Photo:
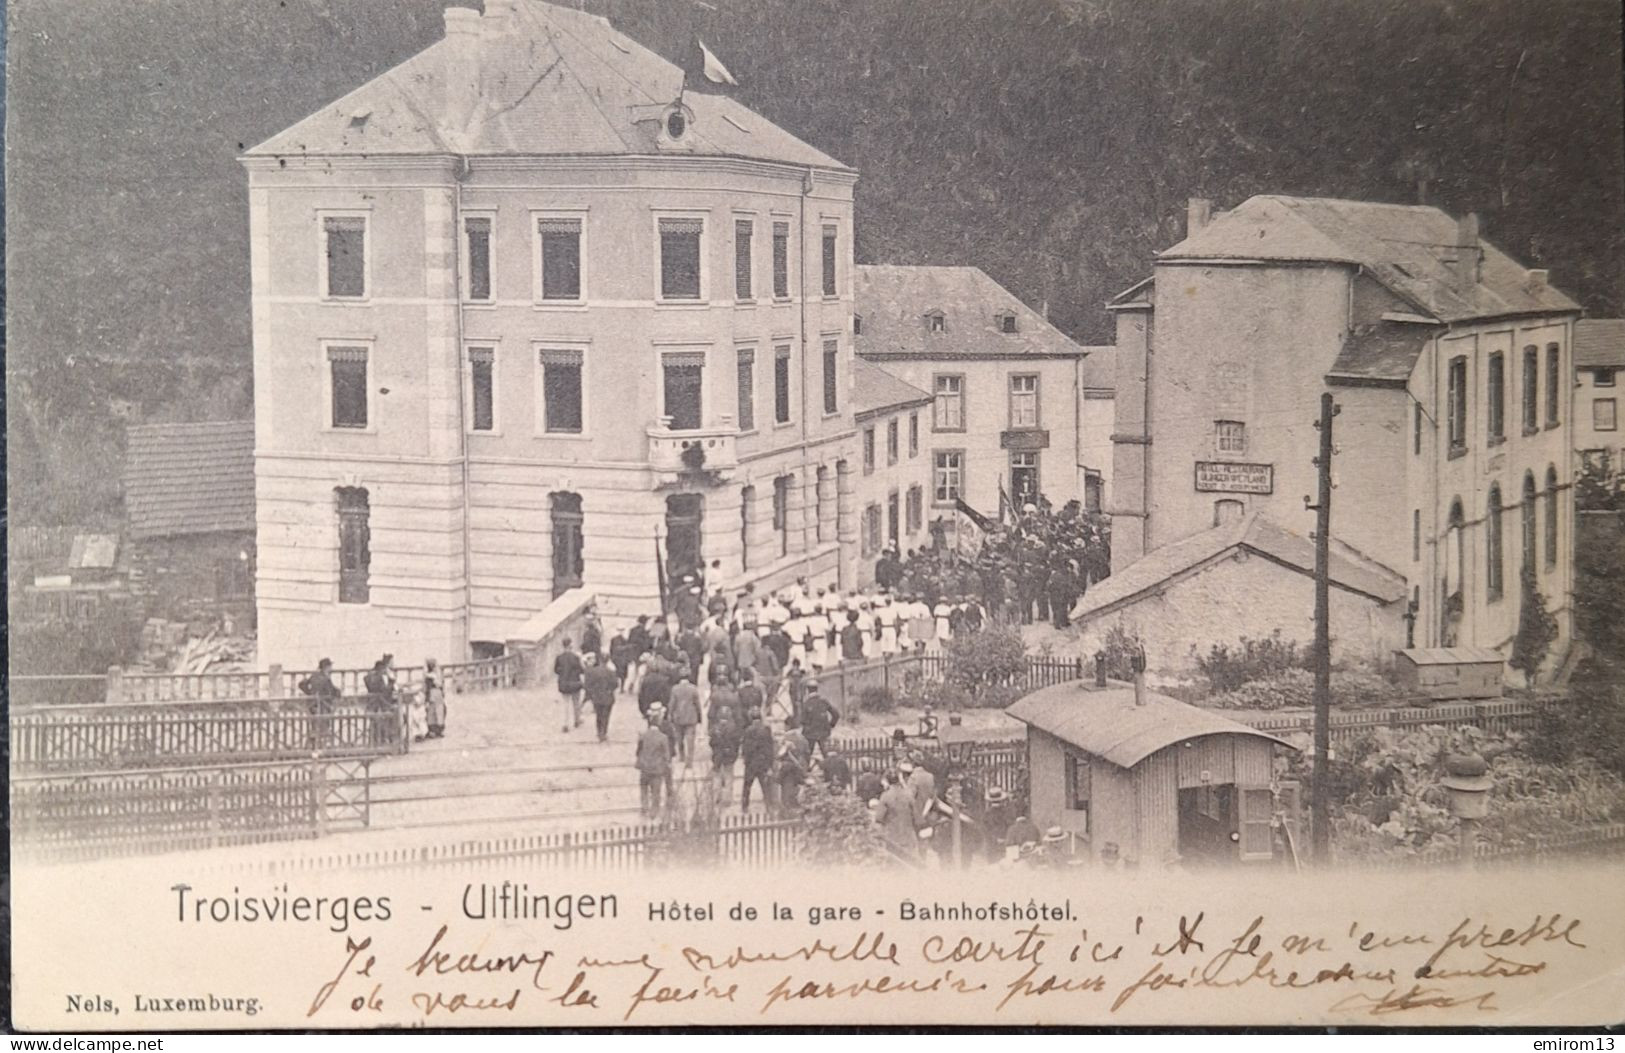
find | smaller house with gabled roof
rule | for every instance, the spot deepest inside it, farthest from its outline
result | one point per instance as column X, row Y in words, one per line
column 1599, row 366
column 189, row 518
column 1018, row 407
column 894, row 466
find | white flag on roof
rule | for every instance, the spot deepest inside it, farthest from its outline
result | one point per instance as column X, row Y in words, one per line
column 715, row 71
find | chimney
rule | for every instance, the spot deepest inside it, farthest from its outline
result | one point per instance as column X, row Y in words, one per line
column 1137, row 663
column 1538, row 280
column 462, row 68
column 499, row 16
column 1469, row 255
column 1198, row 213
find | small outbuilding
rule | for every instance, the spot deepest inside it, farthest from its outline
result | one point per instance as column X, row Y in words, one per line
column 1442, row 673
column 1155, row 779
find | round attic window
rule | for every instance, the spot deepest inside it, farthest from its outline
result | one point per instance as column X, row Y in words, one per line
column 676, row 124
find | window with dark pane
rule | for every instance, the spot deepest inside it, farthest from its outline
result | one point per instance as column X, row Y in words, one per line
column 561, row 258
column 829, row 261
column 680, row 258
column 1551, row 516
column 1554, row 385
column 562, row 394
column 743, row 232
column 1531, row 390
column 482, row 393
column 781, row 512
column 1497, row 397
column 1493, row 578
column 348, row 368
column 781, row 260
column 781, row 385
column 684, row 383
column 355, row 543
column 477, row 231
column 569, row 537
column 1529, row 525
column 747, row 389
column 1457, row 408
column 891, row 441
column 831, row 375
column 868, row 451
column 346, row 250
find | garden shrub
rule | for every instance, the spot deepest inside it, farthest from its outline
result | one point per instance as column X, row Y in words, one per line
column 1120, row 647
column 1295, row 688
column 1228, row 668
column 836, row 829
column 876, row 699
column 983, row 661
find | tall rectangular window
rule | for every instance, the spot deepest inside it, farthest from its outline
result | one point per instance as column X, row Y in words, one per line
column 949, row 475
column 781, row 384
column 1416, row 430
column 481, row 389
column 1230, row 436
column 1416, row 535
column 1457, row 408
column 891, row 441
column 1024, row 400
column 344, row 251
column 1602, row 378
column 1554, row 384
column 746, row 373
column 1531, row 390
column 913, row 434
column 894, row 517
column 560, row 239
column 781, row 261
column 743, row 232
column 747, row 499
column 563, row 400
column 915, row 506
column 948, row 412
column 355, row 544
column 1497, row 409
column 830, row 288
column 781, row 512
column 680, row 258
column 477, row 239
column 683, row 383
column 347, row 372
column 868, row 451
column 832, row 350
column 870, row 541
column 1604, row 415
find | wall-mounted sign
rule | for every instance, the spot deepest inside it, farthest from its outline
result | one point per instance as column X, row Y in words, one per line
column 1230, row 477
column 1024, row 440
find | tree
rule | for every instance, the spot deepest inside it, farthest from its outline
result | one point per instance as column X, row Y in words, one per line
column 1536, row 629
column 837, row 829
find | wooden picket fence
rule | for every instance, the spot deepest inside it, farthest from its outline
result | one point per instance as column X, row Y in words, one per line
column 101, row 738
column 749, row 841
column 66, row 817
column 1509, row 714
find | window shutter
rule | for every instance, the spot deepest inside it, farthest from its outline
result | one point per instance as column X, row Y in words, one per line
column 1257, row 810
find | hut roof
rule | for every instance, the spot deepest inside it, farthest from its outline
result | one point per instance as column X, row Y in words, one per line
column 1106, row 723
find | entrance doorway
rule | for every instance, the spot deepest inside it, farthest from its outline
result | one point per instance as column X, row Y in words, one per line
column 1024, row 479
column 568, row 565
column 684, row 514
column 1209, row 827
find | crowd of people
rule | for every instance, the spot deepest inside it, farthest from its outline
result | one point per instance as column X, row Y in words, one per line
column 1035, row 568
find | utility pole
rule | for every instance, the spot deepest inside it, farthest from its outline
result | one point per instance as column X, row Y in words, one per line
column 1320, row 828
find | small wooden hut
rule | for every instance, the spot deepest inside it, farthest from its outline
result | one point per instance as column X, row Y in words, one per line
column 1157, row 779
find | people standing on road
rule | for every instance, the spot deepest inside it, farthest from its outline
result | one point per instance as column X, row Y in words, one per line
column 592, row 635
column 621, row 658
column 747, row 697
column 758, row 752
column 567, row 667
column 837, row 772
column 434, row 699
column 324, row 695
column 895, row 814
column 598, row 684
column 380, row 702
column 795, row 759
column 817, row 719
column 725, row 736
column 653, row 759
column 851, row 639
column 654, row 684
column 685, row 715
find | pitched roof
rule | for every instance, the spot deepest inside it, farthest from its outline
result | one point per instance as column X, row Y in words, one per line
column 548, row 81
column 1100, row 368
column 189, row 478
column 1106, row 723
column 893, row 301
column 878, row 390
column 1382, row 352
column 1410, row 249
column 1254, row 533
column 1599, row 342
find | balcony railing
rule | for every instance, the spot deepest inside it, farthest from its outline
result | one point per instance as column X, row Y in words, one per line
column 709, row 451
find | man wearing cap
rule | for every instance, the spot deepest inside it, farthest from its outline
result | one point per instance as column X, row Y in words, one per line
column 1021, row 832
column 895, row 814
column 598, row 685
column 818, row 719
column 758, row 751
